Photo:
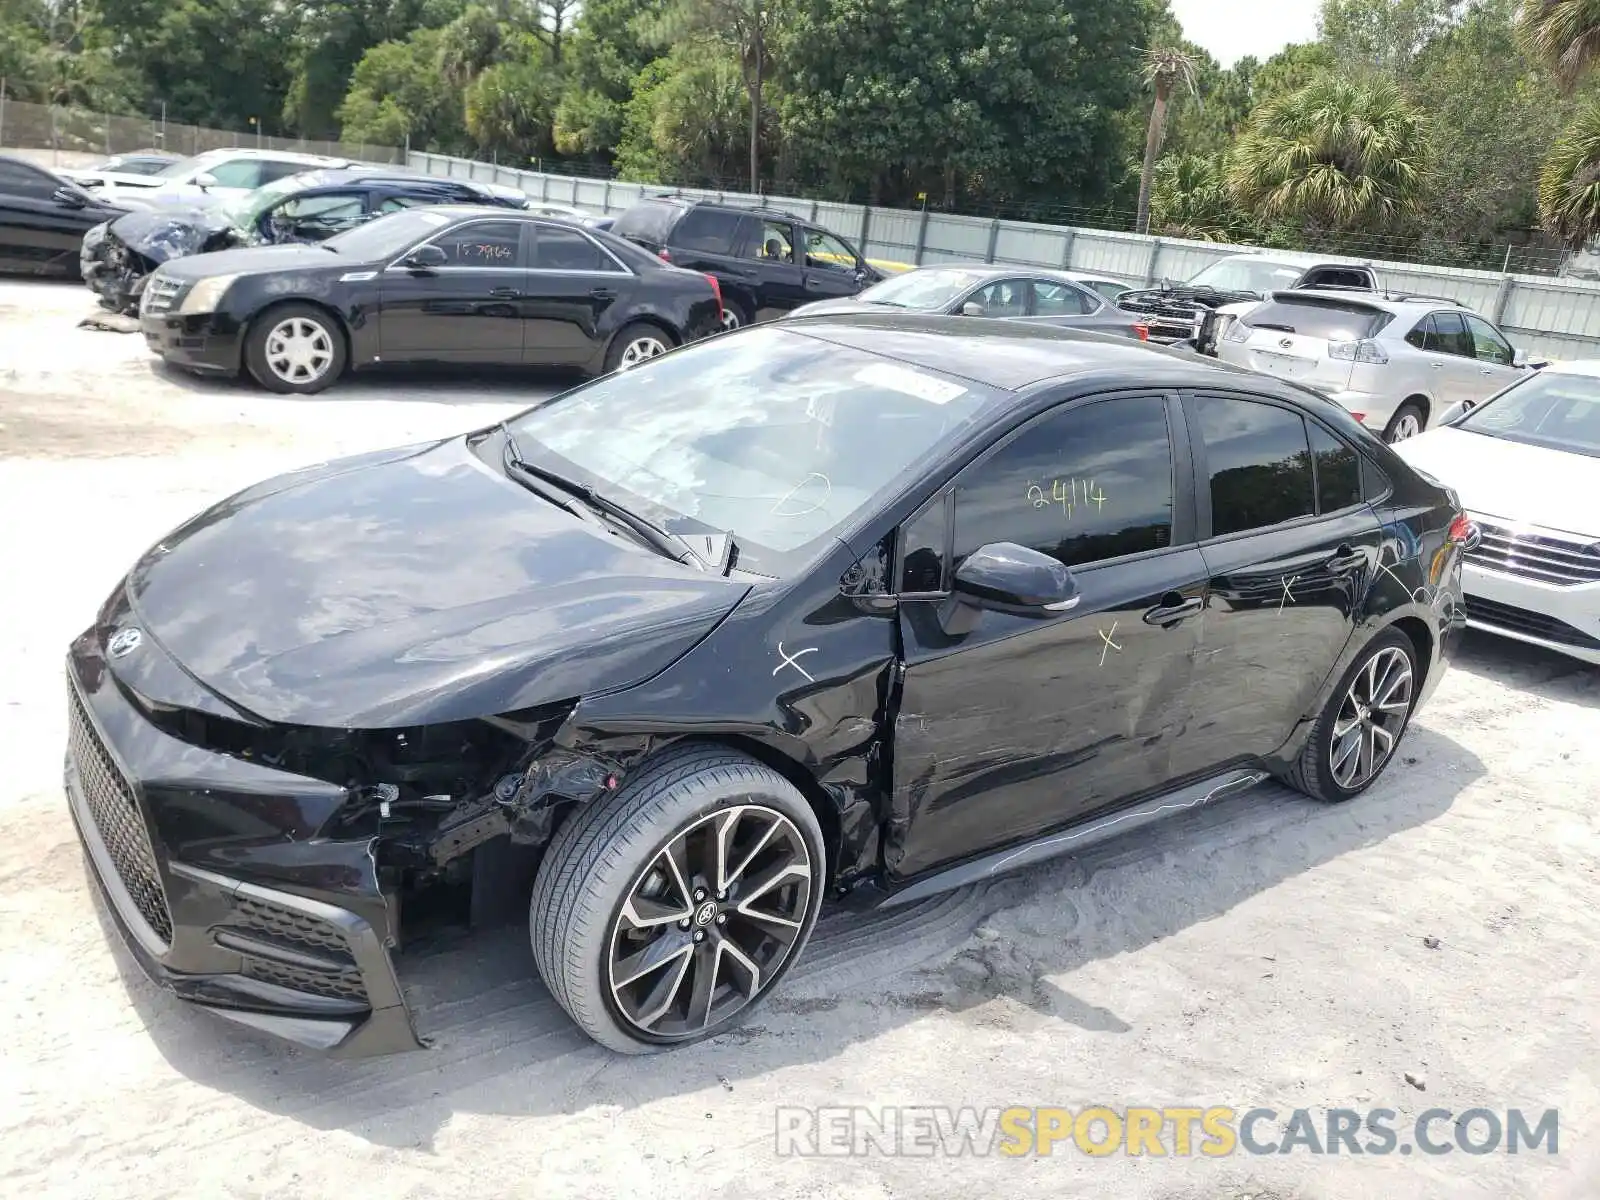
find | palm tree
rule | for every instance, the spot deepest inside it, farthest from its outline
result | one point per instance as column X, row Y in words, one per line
column 1164, row 71
column 1189, row 198
column 1569, row 184
column 1338, row 153
column 1564, row 33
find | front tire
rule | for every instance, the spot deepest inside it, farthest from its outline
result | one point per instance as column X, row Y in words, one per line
column 1356, row 737
column 295, row 349
column 666, row 911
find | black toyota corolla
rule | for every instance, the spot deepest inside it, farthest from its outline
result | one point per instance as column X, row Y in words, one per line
column 862, row 604
column 445, row 284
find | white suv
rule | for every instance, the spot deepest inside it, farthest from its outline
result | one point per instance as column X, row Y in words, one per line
column 216, row 174
column 1397, row 364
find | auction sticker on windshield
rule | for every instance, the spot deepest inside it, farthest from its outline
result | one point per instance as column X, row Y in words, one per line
column 912, row 383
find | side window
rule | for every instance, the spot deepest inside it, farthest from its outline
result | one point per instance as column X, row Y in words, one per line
column 334, row 211
column 1002, row 298
column 1420, row 335
column 1060, row 300
column 706, row 229
column 826, row 252
column 19, row 179
column 1450, row 336
column 398, row 203
column 924, row 551
column 1083, row 486
column 239, row 173
column 1338, row 471
column 270, row 172
column 1260, row 464
column 775, row 242
column 558, row 249
column 482, row 244
column 1487, row 344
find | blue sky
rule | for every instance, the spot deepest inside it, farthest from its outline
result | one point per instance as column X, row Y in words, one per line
column 1231, row 29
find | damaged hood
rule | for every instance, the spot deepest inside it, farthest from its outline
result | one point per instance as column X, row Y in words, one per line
column 410, row 587
column 1182, row 294
column 174, row 231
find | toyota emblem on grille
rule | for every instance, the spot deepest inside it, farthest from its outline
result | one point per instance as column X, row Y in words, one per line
column 1285, row 343
column 124, row 642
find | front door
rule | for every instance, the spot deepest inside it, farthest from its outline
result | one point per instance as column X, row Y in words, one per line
column 1025, row 724
column 467, row 310
column 780, row 273
column 1292, row 552
column 572, row 285
column 36, row 230
column 832, row 269
column 1452, row 361
column 1494, row 355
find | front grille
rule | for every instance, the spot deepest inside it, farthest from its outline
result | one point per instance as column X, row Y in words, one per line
column 116, row 817
column 1544, row 556
column 297, row 931
column 345, row 985
column 159, row 294
column 1521, row 620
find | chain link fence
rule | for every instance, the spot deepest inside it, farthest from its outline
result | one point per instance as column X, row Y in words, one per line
column 26, row 126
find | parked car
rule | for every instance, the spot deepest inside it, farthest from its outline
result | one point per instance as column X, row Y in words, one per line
column 116, row 258
column 1027, row 293
column 215, row 175
column 145, row 162
column 1527, row 465
column 452, row 284
column 43, row 218
column 709, row 640
column 768, row 262
column 1397, row 364
column 1182, row 312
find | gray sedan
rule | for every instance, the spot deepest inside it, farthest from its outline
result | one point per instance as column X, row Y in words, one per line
column 1013, row 293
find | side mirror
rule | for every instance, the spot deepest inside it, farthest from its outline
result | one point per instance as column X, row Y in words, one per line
column 424, row 258
column 1519, row 358
column 1009, row 578
column 70, row 197
column 205, row 181
column 972, row 309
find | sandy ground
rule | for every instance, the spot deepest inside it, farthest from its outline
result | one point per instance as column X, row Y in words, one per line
column 1269, row 952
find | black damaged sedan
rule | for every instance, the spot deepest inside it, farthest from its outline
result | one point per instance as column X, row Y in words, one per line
column 453, row 284
column 863, row 607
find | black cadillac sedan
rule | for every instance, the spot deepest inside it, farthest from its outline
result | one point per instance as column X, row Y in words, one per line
column 870, row 605
column 447, row 284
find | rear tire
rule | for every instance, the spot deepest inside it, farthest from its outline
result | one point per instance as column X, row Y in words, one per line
column 1408, row 421
column 734, row 316
column 1359, row 731
column 295, row 349
column 635, row 344
column 665, row 912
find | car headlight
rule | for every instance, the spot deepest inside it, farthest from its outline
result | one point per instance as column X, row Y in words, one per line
column 205, row 296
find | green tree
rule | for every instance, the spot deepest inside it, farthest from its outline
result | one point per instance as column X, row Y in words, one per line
column 1289, row 70
column 685, row 123
column 399, row 95
column 612, row 42
column 1164, row 72
column 1384, row 36
column 1337, row 154
column 330, row 38
column 1569, row 185
column 510, row 106
column 1189, row 198
column 1563, row 33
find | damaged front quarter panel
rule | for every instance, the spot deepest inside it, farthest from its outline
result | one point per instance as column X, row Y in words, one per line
column 136, row 243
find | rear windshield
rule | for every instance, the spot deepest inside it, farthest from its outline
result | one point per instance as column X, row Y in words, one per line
column 649, row 219
column 1326, row 319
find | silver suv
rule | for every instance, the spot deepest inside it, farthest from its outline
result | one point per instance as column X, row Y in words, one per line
column 1398, row 364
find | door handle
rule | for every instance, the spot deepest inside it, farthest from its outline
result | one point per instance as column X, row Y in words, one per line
column 603, row 293
column 1174, row 608
column 504, row 293
column 1487, row 371
column 1437, row 366
column 813, row 282
column 1346, row 560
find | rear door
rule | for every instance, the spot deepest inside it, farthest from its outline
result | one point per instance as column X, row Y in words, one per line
column 573, row 284
column 1290, row 547
column 466, row 311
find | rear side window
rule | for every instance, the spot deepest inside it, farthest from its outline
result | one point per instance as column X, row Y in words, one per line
column 649, row 220
column 19, row 179
column 1338, row 471
column 557, row 249
column 707, row 230
column 1059, row 300
column 1260, row 464
column 1326, row 319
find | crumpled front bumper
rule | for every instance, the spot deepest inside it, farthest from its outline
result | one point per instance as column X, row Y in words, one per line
column 113, row 272
column 287, row 937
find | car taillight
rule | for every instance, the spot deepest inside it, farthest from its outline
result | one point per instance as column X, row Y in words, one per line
column 1363, row 351
column 716, row 290
column 664, row 254
column 1361, row 417
column 1142, row 332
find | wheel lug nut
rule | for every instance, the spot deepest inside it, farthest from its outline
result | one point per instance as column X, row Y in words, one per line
column 699, row 935
column 684, row 924
column 722, row 918
column 699, row 894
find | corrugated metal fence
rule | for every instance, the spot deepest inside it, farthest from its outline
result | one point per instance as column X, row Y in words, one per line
column 1556, row 317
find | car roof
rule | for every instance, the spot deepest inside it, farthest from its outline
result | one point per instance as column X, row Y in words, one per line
column 279, row 155
column 1016, row 355
column 996, row 271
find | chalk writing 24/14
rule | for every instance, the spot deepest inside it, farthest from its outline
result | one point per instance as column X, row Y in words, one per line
column 1071, row 494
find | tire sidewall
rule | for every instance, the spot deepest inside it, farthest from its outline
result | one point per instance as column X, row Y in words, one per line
column 1394, row 421
column 1324, row 735
column 632, row 333
column 255, row 351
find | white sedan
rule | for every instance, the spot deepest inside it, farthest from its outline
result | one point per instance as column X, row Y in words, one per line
column 1526, row 463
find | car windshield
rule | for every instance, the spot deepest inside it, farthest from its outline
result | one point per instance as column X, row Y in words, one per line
column 244, row 211
column 774, row 436
column 184, row 166
column 926, row 290
column 386, row 236
column 1247, row 275
column 1549, row 409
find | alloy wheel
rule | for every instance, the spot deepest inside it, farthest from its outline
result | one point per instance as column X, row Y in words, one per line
column 299, row 350
column 730, row 318
column 1371, row 718
column 1406, row 427
column 710, row 922
column 641, row 349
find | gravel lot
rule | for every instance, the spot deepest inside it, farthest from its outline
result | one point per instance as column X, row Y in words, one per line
column 1269, row 952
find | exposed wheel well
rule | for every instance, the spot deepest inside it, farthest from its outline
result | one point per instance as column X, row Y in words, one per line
column 1421, row 402
column 338, row 323
column 1421, row 641
column 655, row 323
column 804, row 782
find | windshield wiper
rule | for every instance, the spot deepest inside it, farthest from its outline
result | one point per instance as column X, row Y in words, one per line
column 657, row 538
